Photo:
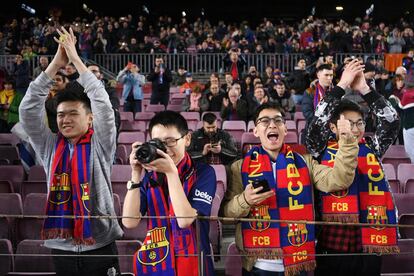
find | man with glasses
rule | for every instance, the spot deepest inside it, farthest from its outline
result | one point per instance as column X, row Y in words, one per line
column 171, row 185
column 368, row 198
column 274, row 182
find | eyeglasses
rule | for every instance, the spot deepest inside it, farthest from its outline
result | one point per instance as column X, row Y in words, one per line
column 265, row 121
column 359, row 124
column 171, row 142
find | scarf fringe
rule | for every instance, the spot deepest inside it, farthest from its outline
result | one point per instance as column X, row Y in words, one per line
column 269, row 254
column 296, row 269
column 341, row 218
column 81, row 241
column 381, row 249
column 51, row 234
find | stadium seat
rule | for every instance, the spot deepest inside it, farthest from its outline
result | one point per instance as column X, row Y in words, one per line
column 10, row 204
column 409, row 186
column 37, row 173
column 137, row 233
column 33, row 263
column 121, row 173
column 6, row 186
column 250, row 126
column 117, row 204
column 405, row 173
column 396, row 155
column 6, row 262
column 8, row 139
column 235, row 129
column 401, row 263
column 291, row 137
column 291, row 125
column 407, row 232
column 404, row 203
column 9, row 155
column 128, row 138
column 298, row 117
column 232, row 263
column 15, row 174
column 30, row 228
column 133, row 126
column 127, row 249
column 175, row 107
column 144, row 116
column 248, row 140
column 121, row 155
column 155, row 108
column 301, row 126
column 126, row 116
column 392, row 178
column 191, row 116
column 33, row 187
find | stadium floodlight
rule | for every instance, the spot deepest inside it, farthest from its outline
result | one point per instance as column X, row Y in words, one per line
column 339, row 8
column 183, row 13
column 28, row 9
column 202, row 12
column 145, row 9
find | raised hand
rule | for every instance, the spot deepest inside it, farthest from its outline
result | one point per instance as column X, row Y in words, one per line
column 68, row 41
column 360, row 84
column 344, row 128
column 351, row 70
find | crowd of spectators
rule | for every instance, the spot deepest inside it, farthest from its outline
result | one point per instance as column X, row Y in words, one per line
column 143, row 34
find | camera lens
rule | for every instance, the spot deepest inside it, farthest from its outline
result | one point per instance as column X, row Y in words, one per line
column 147, row 152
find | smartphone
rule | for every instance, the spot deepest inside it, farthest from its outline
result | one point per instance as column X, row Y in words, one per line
column 214, row 145
column 261, row 183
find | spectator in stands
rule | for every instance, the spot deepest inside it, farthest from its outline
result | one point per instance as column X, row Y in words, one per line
column 13, row 112
column 298, row 81
column 252, row 193
column 234, row 108
column 172, row 182
column 229, row 82
column 179, row 76
column 59, row 83
column 259, row 97
column 369, row 74
column 190, row 84
column 268, row 75
column 395, row 42
column 6, row 98
column 382, row 79
column 408, row 59
column 79, row 147
column 211, row 144
column 317, row 90
column 100, row 43
column 234, row 62
column 283, row 98
column 215, row 97
column 321, row 141
column 21, row 73
column 43, row 63
column 195, row 102
column 398, row 86
column 71, row 72
column 160, row 77
column 214, row 79
column 113, row 97
column 132, row 82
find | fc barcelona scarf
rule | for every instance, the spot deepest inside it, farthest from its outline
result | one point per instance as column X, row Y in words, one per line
column 69, row 192
column 293, row 201
column 167, row 249
column 319, row 93
column 367, row 200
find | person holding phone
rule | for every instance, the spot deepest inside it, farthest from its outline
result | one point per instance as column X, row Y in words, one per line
column 272, row 248
column 161, row 78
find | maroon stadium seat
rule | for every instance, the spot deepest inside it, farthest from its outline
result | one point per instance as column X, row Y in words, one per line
column 191, row 116
column 126, row 116
column 401, row 263
column 6, row 262
column 396, row 155
column 232, row 263
column 10, row 204
column 175, row 107
column 155, row 108
column 128, row 138
column 33, row 263
column 8, row 139
column 404, row 203
column 127, row 247
column 133, row 126
column 15, row 174
column 407, row 219
column 121, row 173
column 144, row 116
column 405, row 173
column 9, row 155
column 6, row 186
column 137, row 233
column 34, row 205
column 37, row 173
column 248, row 141
column 33, row 187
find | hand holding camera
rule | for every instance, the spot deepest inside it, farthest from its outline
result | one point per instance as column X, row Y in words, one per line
column 153, row 157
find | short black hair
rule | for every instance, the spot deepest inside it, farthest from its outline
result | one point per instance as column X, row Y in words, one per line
column 275, row 106
column 209, row 118
column 324, row 67
column 345, row 105
column 169, row 118
column 93, row 64
column 63, row 75
column 74, row 92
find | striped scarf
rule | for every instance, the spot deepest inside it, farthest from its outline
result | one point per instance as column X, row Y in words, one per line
column 367, row 200
column 69, row 192
column 319, row 93
column 166, row 244
column 293, row 201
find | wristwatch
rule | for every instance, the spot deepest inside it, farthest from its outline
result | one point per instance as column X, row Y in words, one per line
column 132, row 185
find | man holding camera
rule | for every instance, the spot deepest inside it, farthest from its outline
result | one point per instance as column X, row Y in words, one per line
column 274, row 182
column 211, row 144
column 161, row 78
column 165, row 181
column 234, row 62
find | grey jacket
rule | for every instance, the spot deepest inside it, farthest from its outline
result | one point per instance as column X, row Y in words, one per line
column 32, row 117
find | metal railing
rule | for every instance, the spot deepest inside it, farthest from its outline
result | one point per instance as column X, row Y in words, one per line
column 192, row 62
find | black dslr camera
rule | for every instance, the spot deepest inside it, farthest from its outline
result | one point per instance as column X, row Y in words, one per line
column 147, row 152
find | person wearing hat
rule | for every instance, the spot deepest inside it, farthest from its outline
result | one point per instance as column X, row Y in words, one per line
column 405, row 107
column 190, row 84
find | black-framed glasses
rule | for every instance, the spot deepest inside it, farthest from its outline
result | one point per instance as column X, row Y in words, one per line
column 172, row 142
column 359, row 124
column 265, row 121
